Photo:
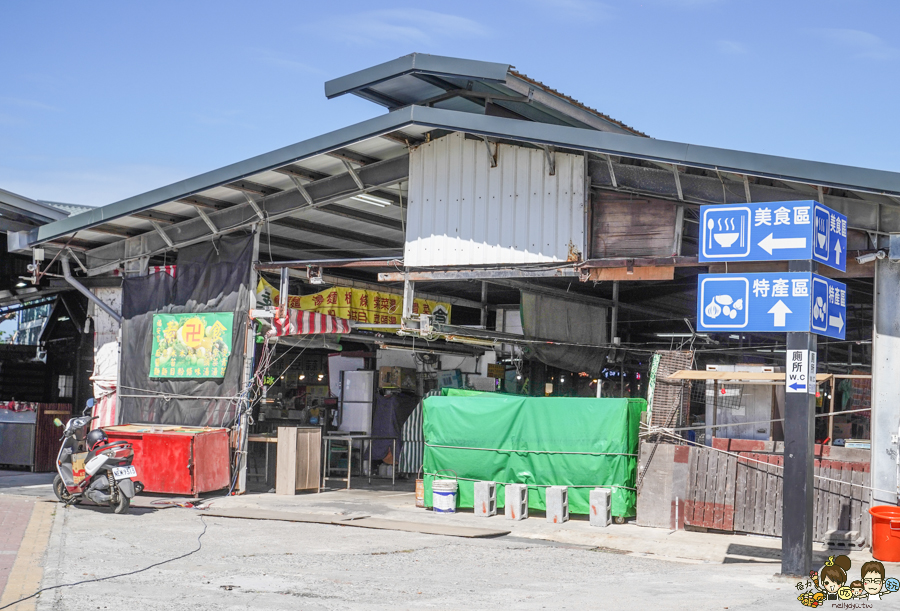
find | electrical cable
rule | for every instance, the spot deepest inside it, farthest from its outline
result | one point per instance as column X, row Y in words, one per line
column 147, row 568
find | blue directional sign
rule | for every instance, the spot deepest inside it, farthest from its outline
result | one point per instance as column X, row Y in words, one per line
column 773, row 302
column 773, row 231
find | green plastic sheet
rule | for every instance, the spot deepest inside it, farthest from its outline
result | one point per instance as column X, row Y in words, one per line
column 581, row 443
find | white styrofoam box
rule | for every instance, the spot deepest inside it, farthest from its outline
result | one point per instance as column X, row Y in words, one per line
column 557, row 504
column 601, row 507
column 516, row 502
column 482, row 383
column 462, row 211
column 485, row 499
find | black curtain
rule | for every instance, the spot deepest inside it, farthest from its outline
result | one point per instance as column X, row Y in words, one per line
column 210, row 277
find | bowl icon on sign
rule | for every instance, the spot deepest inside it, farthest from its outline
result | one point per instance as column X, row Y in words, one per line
column 725, row 240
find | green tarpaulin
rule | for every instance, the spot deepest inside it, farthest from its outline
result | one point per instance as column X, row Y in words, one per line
column 539, row 441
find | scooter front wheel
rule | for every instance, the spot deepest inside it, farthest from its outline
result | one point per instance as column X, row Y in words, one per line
column 59, row 488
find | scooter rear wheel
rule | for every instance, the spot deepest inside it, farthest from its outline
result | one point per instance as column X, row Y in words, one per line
column 123, row 505
column 59, row 488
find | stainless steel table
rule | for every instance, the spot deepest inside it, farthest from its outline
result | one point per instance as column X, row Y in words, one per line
column 328, row 441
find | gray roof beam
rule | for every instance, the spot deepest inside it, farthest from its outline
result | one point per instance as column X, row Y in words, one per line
column 202, row 201
column 253, row 188
column 323, row 192
column 339, row 233
column 352, row 157
column 379, row 98
column 361, row 215
column 295, row 246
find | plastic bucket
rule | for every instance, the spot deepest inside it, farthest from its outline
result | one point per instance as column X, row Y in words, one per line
column 444, row 495
column 886, row 533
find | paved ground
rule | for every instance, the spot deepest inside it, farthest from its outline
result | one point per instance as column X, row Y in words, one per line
column 257, row 564
column 14, row 516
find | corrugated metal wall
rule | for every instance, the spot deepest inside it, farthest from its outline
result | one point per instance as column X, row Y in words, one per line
column 464, row 212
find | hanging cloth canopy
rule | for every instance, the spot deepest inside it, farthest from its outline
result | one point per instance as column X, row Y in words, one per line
column 301, row 322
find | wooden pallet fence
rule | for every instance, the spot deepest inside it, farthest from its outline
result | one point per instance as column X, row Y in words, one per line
column 744, row 494
column 711, row 489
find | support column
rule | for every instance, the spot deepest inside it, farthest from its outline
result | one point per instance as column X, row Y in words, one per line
column 484, row 305
column 614, row 320
column 249, row 349
column 799, row 444
column 886, row 384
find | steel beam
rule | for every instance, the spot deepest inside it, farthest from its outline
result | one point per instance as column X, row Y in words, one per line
column 326, row 263
column 478, row 274
column 323, row 192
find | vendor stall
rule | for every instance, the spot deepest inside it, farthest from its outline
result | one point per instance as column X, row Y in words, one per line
column 176, row 459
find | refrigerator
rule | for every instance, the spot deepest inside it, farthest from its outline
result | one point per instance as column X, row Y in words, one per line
column 357, row 398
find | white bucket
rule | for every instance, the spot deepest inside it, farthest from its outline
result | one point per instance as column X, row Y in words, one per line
column 444, row 495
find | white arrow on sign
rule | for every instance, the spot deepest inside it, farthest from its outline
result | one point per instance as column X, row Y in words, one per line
column 769, row 243
column 837, row 253
column 836, row 321
column 780, row 310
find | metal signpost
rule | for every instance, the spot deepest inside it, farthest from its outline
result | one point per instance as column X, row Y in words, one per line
column 800, row 303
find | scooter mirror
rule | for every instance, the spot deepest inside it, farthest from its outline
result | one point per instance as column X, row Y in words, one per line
column 88, row 406
column 57, row 422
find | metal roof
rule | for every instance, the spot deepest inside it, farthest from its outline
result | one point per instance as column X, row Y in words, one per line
column 326, row 156
column 18, row 213
column 469, row 86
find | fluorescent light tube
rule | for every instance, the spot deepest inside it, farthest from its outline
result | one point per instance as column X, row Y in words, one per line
column 371, row 199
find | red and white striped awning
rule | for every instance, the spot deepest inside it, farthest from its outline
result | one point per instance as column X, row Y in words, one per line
column 301, row 322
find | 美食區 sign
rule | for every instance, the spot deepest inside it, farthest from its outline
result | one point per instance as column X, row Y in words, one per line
column 773, row 231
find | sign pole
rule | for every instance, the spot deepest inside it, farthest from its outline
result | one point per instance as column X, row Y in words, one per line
column 799, row 442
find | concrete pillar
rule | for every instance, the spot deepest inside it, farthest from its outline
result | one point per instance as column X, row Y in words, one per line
column 886, row 383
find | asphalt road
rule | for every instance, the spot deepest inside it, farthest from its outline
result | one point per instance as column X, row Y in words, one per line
column 253, row 564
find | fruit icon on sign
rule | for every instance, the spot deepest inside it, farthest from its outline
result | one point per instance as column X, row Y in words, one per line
column 819, row 309
column 724, row 304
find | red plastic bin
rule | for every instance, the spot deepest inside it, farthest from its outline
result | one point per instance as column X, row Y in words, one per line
column 184, row 461
column 886, row 533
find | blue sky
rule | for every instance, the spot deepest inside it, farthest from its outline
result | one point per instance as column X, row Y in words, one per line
column 103, row 100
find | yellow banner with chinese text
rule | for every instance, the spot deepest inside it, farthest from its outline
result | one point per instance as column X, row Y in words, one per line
column 360, row 305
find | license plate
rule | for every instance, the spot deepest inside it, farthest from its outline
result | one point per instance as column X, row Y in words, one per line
column 124, row 472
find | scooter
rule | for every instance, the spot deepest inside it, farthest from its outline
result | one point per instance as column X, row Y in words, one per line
column 90, row 467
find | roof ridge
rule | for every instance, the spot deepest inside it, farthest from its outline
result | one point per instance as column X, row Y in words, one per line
column 575, row 102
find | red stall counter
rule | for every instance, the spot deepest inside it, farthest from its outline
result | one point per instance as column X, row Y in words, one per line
column 182, row 460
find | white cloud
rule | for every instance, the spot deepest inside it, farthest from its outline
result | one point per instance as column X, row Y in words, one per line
column 861, row 44
column 579, row 11
column 24, row 103
column 731, row 47
column 406, row 26
column 284, row 61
